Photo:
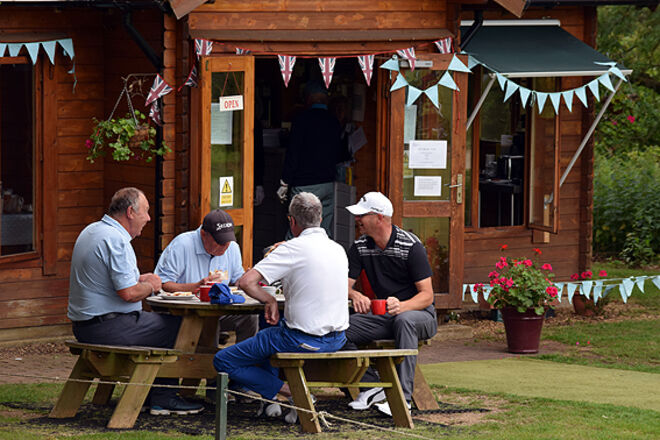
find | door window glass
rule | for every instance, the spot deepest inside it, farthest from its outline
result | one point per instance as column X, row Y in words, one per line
column 434, row 234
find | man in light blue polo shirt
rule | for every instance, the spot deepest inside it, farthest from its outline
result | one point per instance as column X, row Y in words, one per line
column 209, row 254
column 106, row 292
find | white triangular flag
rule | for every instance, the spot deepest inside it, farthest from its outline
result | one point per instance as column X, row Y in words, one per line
column 554, row 98
column 593, row 86
column 615, row 71
column 49, row 48
column 413, row 94
column 33, row 51
column 400, row 82
column 581, row 93
column 524, row 95
column 511, row 88
column 585, row 288
column 432, row 93
column 486, row 292
column 560, row 288
column 475, row 295
column 3, row 46
column 656, row 281
column 14, row 48
column 568, row 99
column 639, row 282
column 540, row 100
column 465, row 286
column 67, row 45
column 626, row 288
column 391, row 64
column 448, row 81
column 472, row 61
column 571, row 288
column 604, row 79
column 598, row 288
column 501, row 80
column 458, row 65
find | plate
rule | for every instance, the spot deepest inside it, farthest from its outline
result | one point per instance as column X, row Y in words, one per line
column 177, row 296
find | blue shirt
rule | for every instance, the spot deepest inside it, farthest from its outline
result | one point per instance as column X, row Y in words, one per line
column 185, row 260
column 102, row 263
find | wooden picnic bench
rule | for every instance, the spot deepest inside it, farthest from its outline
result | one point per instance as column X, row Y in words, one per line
column 422, row 395
column 343, row 369
column 132, row 365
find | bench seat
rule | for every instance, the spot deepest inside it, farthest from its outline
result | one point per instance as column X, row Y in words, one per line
column 129, row 364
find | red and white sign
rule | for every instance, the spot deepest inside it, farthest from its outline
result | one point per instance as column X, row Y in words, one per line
column 231, row 103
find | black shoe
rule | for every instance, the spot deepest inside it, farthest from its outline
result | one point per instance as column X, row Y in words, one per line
column 175, row 405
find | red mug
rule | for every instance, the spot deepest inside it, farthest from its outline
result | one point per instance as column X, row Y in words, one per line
column 378, row 306
column 204, row 293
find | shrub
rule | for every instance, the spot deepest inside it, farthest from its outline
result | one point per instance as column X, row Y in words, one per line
column 627, row 206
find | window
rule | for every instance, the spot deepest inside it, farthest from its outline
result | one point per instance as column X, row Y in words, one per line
column 17, row 177
column 513, row 159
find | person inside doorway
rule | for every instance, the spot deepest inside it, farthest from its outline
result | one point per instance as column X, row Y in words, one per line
column 312, row 154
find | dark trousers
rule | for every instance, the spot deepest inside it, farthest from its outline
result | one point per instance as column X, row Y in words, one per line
column 139, row 328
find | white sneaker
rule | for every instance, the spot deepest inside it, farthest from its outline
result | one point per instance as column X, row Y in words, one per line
column 271, row 410
column 292, row 416
column 366, row 399
column 385, row 408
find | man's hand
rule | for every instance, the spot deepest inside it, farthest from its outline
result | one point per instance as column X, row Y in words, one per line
column 361, row 303
column 152, row 279
column 283, row 192
column 393, row 306
column 271, row 312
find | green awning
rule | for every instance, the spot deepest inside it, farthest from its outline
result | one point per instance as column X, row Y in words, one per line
column 534, row 50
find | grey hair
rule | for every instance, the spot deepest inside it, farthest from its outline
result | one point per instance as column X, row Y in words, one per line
column 306, row 208
column 122, row 199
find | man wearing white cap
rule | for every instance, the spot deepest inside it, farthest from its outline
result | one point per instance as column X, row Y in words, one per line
column 398, row 270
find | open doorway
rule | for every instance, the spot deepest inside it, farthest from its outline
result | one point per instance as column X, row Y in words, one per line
column 276, row 107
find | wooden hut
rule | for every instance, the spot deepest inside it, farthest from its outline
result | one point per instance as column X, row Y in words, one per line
column 49, row 95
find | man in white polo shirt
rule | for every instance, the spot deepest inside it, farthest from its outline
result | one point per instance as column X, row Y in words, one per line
column 314, row 274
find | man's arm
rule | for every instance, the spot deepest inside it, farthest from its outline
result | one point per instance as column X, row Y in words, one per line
column 361, row 303
column 249, row 283
column 148, row 283
column 420, row 301
column 171, row 286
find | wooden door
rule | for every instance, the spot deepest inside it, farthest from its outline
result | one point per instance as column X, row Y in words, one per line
column 424, row 173
column 226, row 151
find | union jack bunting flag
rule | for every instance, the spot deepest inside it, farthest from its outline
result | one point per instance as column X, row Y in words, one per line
column 444, row 45
column 191, row 81
column 158, row 89
column 154, row 113
column 240, row 51
column 286, row 67
column 408, row 54
column 327, row 69
column 203, row 47
column 367, row 66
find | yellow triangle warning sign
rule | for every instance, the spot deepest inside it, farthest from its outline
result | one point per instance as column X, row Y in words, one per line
column 226, row 189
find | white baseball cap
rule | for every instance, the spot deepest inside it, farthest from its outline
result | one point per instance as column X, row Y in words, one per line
column 372, row 202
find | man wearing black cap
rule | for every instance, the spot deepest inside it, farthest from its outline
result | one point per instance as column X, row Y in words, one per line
column 207, row 255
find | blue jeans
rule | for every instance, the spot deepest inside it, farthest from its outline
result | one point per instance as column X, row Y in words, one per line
column 248, row 362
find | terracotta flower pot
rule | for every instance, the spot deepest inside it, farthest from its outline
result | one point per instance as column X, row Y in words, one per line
column 523, row 330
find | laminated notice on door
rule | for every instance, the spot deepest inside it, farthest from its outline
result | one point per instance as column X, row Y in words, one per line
column 226, row 191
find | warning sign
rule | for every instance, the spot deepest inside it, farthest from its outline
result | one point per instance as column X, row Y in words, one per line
column 226, row 191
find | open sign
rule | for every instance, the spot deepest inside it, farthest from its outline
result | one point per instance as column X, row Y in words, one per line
column 231, row 103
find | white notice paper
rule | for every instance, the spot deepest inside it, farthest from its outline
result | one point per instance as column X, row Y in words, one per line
column 356, row 140
column 428, row 154
column 221, row 125
column 426, row 186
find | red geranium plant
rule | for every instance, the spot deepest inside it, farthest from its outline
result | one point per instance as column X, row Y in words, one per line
column 521, row 283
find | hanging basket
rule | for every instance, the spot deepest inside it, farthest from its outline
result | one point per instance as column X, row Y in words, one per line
column 141, row 135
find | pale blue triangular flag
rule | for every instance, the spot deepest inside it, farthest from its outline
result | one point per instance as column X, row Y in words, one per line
column 608, row 289
column 472, row 61
column 463, row 295
column 568, row 99
column 432, row 93
column 585, row 288
column 67, row 45
column 524, row 95
column 475, row 295
column 501, row 80
column 598, row 288
column 400, row 82
column 639, row 282
column 511, row 88
column 604, row 79
column 14, row 48
column 540, row 100
column 391, row 64
column 49, row 48
column 605, row 63
column 457, row 65
column 581, row 93
column 33, row 51
column 560, row 287
column 486, row 292
column 656, row 281
column 554, row 98
column 626, row 288
column 593, row 86
column 413, row 94
column 448, row 81
column 615, row 71
column 571, row 288
column 3, row 46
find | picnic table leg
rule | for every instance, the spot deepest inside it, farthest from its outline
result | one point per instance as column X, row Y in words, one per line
column 422, row 394
column 133, row 397
column 73, row 393
column 103, row 393
column 295, row 376
column 186, row 341
column 387, row 373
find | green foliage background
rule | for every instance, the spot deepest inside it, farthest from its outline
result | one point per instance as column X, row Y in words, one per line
column 627, row 140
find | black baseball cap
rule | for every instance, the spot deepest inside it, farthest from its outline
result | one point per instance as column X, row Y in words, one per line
column 220, row 225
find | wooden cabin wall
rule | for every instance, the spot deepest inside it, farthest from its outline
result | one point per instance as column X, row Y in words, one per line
column 185, row 59
column 569, row 251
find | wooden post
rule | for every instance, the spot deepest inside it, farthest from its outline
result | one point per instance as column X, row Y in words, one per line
column 221, row 406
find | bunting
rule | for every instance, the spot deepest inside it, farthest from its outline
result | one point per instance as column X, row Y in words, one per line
column 191, row 81
column 286, row 67
column 444, row 45
column 408, row 54
column 159, row 89
column 240, row 51
column 154, row 113
column 367, row 65
column 203, row 47
column 327, row 69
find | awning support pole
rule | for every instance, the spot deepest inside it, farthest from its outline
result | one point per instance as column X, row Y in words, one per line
column 589, row 133
column 584, row 140
column 480, row 103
